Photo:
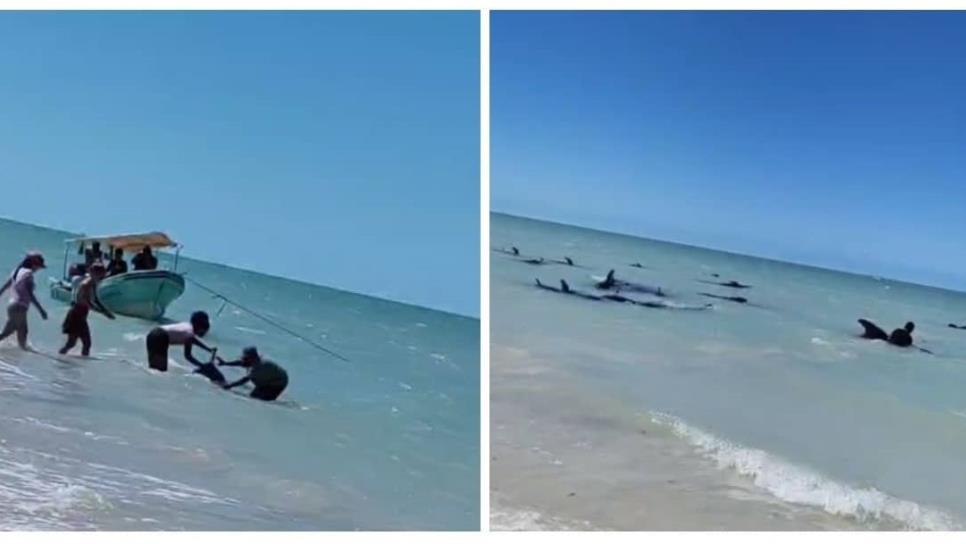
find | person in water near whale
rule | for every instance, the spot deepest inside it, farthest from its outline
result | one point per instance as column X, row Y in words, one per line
column 899, row 337
column 268, row 378
column 75, row 324
column 739, row 300
column 21, row 285
column 185, row 334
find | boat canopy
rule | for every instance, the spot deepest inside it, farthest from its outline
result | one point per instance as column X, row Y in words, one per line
column 129, row 242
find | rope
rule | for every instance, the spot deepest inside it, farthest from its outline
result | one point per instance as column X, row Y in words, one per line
column 265, row 319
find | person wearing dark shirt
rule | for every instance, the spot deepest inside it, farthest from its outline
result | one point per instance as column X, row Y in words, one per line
column 268, row 378
column 145, row 260
column 117, row 264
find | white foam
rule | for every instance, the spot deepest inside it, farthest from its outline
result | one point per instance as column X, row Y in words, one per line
column 504, row 519
column 251, row 331
column 800, row 485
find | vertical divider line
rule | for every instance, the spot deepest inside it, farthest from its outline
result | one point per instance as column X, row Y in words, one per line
column 484, row 270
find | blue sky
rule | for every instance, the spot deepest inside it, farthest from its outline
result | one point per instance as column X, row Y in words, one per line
column 336, row 148
column 835, row 139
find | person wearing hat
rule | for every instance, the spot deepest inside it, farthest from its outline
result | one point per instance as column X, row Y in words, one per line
column 21, row 285
column 75, row 322
column 268, row 378
column 185, row 334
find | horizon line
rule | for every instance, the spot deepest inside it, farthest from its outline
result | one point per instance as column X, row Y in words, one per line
column 267, row 274
column 877, row 277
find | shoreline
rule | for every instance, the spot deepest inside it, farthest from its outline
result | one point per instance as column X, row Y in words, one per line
column 563, row 459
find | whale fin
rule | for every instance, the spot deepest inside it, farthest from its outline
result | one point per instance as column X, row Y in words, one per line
column 872, row 331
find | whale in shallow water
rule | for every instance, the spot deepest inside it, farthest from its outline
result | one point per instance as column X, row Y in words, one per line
column 611, row 282
column 661, row 304
column 900, row 337
column 739, row 300
column 565, row 289
column 732, row 283
column 511, row 251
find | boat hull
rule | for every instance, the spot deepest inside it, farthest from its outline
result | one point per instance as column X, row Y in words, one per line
column 145, row 294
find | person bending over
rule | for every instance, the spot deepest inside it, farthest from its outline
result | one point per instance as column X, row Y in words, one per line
column 268, row 378
column 185, row 334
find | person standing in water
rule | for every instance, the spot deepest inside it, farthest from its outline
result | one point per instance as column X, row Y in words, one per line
column 21, row 285
column 185, row 334
column 75, row 322
column 268, row 378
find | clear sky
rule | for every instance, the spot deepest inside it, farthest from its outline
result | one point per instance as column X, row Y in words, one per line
column 339, row 148
column 835, row 139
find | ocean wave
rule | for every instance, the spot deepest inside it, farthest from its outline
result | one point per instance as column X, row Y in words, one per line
column 504, row 519
column 800, row 485
column 35, row 498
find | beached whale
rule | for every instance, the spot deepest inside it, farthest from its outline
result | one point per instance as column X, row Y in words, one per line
column 611, row 282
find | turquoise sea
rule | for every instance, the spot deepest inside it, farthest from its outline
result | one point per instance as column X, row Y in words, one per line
column 768, row 415
column 387, row 440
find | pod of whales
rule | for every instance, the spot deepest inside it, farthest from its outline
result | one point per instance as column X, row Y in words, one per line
column 615, row 287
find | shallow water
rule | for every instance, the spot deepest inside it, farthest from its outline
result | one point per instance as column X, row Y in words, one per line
column 389, row 440
column 808, row 425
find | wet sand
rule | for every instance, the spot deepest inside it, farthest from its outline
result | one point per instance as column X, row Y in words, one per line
column 567, row 459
